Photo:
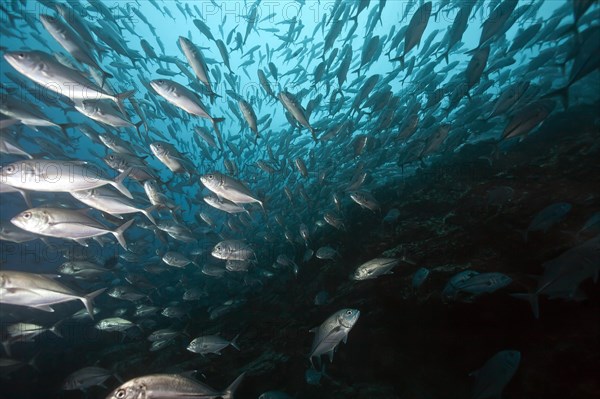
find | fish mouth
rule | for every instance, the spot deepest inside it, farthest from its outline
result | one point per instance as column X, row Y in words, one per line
column 17, row 221
column 155, row 85
column 11, row 58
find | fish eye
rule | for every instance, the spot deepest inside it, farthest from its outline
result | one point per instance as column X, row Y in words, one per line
column 348, row 312
column 211, row 176
column 21, row 55
column 10, row 169
column 27, row 215
column 120, row 394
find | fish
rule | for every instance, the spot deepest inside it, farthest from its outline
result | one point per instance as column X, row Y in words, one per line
column 497, row 371
column 66, row 223
column 114, row 324
column 211, row 344
column 527, row 118
column 26, row 332
column 274, row 395
column 414, row 32
column 293, row 106
column 58, row 176
column 86, row 377
column 549, row 216
column 104, row 112
column 224, row 204
column 183, row 98
column 40, row 291
column 374, row 268
column 168, row 155
column 108, row 201
column 176, row 259
column 563, row 275
column 482, row 283
column 458, row 28
column 66, row 36
column 365, row 200
column 249, row 116
column 326, row 253
column 196, row 61
column 83, row 269
column 28, row 114
column 232, row 250
column 229, row 188
column 331, row 332
column 419, row 277
column 156, row 386
column 43, row 69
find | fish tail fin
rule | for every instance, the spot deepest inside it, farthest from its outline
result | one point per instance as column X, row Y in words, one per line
column 118, row 183
column 118, row 233
column 230, row 390
column 472, row 51
column 88, row 301
column 105, row 75
column 234, row 342
column 126, row 94
column 120, row 97
column 148, row 212
column 118, row 377
column 54, row 329
column 401, row 59
column 313, row 131
column 6, row 347
column 533, row 299
column 33, row 362
column 215, row 122
column 446, row 56
column 26, row 197
column 212, row 96
column 64, row 126
column 137, row 128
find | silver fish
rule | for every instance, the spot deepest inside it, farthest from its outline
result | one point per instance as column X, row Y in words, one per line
column 333, row 330
column 39, row 291
column 159, row 386
column 58, row 176
column 86, row 377
column 229, row 188
column 43, row 69
column 211, row 344
column 111, row 202
column 66, row 223
column 232, row 249
column 375, row 268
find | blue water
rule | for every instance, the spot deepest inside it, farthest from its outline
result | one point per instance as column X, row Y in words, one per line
column 454, row 210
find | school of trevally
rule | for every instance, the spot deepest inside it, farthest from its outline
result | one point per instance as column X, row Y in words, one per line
column 300, row 199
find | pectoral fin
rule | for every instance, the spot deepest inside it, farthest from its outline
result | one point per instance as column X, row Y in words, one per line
column 45, row 308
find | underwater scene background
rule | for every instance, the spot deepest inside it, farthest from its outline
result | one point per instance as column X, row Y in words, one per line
column 300, row 199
